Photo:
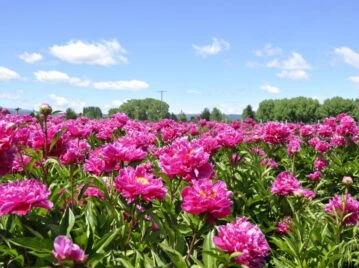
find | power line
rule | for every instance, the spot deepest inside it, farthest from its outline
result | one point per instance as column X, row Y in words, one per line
column 161, row 91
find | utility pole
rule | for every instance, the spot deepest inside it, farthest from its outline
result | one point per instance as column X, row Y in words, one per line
column 161, row 91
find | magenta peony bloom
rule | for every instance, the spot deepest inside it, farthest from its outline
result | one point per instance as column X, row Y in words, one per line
column 276, row 133
column 285, row 225
column 207, row 197
column 242, row 236
column 306, row 193
column 285, row 184
column 187, row 159
column 347, row 203
column 293, row 146
column 20, row 196
column 320, row 164
column 315, row 176
column 139, row 182
column 269, row 163
column 65, row 249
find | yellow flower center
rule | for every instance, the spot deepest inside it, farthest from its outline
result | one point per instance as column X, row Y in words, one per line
column 142, row 180
column 212, row 194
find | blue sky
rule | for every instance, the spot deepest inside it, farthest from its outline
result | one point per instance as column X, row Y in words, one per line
column 225, row 54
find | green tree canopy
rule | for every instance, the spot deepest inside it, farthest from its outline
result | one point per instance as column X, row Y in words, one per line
column 205, row 114
column 70, row 114
column 92, row 112
column 217, row 115
column 335, row 106
column 143, row 109
column 248, row 112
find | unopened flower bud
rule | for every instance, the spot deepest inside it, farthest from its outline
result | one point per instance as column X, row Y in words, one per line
column 45, row 109
column 347, row 180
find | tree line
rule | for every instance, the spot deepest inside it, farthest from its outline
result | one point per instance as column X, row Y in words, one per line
column 299, row 109
column 302, row 109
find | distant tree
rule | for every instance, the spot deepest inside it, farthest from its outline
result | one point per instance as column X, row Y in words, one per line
column 145, row 109
column 112, row 111
column 70, row 114
column 336, row 106
column 248, row 113
column 182, row 117
column 205, row 114
column 265, row 110
column 173, row 117
column 92, row 112
column 217, row 115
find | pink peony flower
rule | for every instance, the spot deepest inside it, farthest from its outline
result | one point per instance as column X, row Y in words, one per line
column 139, row 182
column 20, row 196
column 285, row 184
column 320, row 164
column 269, row 163
column 315, row 176
column 344, row 206
column 306, row 193
column 187, row 159
column 276, row 133
column 65, row 249
column 207, row 197
column 293, row 146
column 246, row 238
column 285, row 225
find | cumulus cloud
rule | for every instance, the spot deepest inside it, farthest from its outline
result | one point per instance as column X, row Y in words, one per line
column 60, row 77
column 294, row 74
column 63, row 103
column 354, row 79
column 214, row 48
column 105, row 52
column 295, row 67
column 268, row 50
column 31, row 57
column 7, row 74
column 132, row 85
column 348, row 55
column 270, row 89
column 11, row 96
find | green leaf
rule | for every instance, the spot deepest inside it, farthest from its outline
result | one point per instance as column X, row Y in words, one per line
column 209, row 260
column 33, row 243
column 67, row 222
column 105, row 241
column 175, row 256
column 56, row 138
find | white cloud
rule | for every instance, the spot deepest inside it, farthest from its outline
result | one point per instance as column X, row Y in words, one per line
column 7, row 74
column 132, row 85
column 60, row 77
column 11, row 96
column 295, row 62
column 59, row 101
column 270, row 89
column 294, row 74
column 268, row 50
column 293, row 68
column 354, row 79
column 105, row 52
column 348, row 55
column 214, row 48
column 193, row 92
column 63, row 103
column 31, row 57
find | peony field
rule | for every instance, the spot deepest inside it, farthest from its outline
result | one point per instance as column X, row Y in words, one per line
column 116, row 192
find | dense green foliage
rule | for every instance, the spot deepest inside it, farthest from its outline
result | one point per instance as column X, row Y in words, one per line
column 92, row 112
column 248, row 113
column 143, row 109
column 307, row 110
column 70, row 114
